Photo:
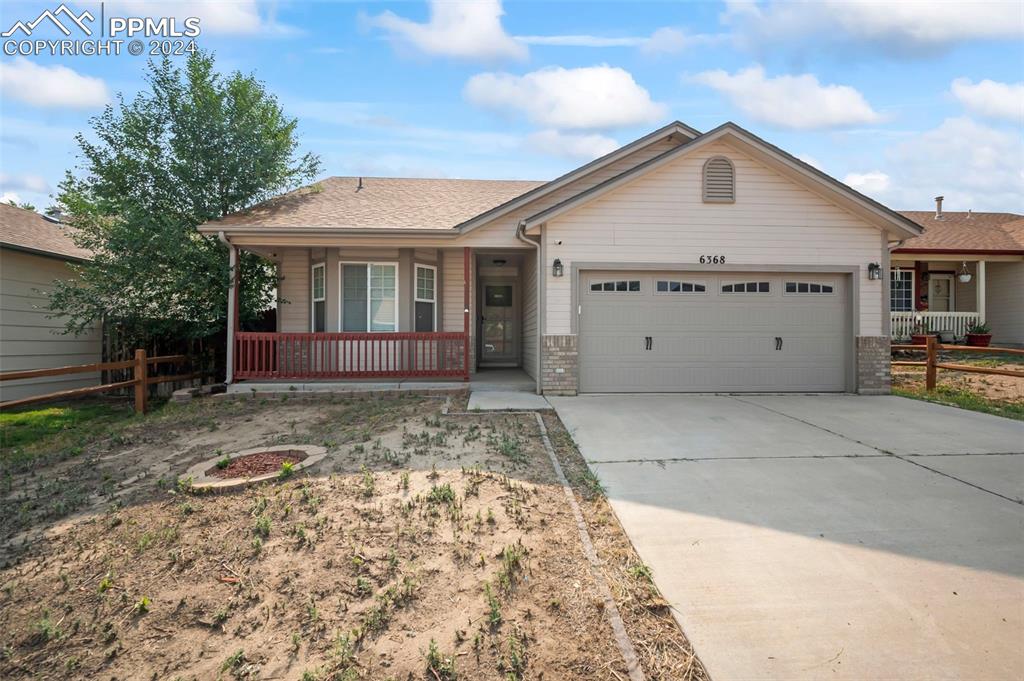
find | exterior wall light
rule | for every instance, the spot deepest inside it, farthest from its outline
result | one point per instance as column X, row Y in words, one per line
column 874, row 271
column 965, row 274
column 556, row 268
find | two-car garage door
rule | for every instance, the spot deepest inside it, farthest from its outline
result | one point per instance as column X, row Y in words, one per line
column 713, row 332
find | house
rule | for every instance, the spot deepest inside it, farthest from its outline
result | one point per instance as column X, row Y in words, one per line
column 967, row 268
column 35, row 251
column 683, row 261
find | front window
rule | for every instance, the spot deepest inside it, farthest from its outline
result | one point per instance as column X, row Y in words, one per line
column 426, row 297
column 369, row 297
column 319, row 301
column 901, row 290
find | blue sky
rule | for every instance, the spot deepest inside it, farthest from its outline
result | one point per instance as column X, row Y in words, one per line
column 903, row 101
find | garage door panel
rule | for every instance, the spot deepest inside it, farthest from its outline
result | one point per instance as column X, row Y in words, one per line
column 713, row 341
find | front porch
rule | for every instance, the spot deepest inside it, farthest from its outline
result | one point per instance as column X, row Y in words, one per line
column 940, row 294
column 389, row 317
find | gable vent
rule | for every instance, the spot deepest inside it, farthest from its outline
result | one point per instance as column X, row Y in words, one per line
column 719, row 180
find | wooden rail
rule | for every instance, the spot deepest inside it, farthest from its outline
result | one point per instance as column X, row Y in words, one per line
column 261, row 355
column 140, row 378
column 932, row 363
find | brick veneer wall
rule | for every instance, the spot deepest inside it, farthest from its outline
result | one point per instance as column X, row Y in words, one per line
column 874, row 375
column 559, row 374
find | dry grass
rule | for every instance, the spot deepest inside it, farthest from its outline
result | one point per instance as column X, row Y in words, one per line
column 423, row 547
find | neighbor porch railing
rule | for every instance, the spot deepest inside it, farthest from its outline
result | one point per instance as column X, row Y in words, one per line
column 350, row 355
column 904, row 324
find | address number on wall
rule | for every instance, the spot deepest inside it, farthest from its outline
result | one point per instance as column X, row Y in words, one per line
column 712, row 259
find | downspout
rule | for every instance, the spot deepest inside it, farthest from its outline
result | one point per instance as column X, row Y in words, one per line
column 521, row 236
column 230, row 354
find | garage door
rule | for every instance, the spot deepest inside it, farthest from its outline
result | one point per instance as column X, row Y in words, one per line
column 702, row 332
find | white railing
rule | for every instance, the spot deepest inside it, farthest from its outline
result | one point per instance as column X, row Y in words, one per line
column 905, row 323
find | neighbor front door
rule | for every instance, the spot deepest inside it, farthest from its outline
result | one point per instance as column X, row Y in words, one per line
column 940, row 295
column 499, row 323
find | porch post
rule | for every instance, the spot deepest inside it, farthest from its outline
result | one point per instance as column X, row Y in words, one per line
column 232, row 322
column 465, row 312
column 980, row 290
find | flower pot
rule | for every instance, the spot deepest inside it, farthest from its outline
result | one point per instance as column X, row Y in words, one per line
column 979, row 340
column 920, row 338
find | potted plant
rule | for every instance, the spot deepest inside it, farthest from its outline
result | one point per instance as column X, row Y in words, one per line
column 921, row 332
column 979, row 335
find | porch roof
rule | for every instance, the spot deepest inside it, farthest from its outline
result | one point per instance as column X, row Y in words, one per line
column 385, row 203
column 965, row 232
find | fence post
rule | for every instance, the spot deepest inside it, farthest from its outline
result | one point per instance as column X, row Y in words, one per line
column 931, row 352
column 141, row 381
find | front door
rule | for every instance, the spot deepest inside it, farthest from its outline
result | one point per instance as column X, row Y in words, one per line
column 499, row 323
column 940, row 293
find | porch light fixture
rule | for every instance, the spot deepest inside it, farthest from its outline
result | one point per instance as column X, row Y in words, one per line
column 964, row 276
column 499, row 262
column 874, row 271
column 556, row 268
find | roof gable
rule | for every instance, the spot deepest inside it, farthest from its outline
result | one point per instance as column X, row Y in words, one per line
column 811, row 178
column 27, row 230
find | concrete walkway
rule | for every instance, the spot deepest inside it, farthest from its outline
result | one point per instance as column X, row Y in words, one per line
column 835, row 536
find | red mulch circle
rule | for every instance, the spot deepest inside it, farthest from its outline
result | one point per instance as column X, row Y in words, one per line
column 260, row 463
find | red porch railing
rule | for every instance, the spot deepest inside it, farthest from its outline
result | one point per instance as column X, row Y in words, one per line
column 349, row 355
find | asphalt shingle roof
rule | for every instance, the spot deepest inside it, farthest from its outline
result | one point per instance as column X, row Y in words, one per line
column 965, row 231
column 381, row 203
column 27, row 229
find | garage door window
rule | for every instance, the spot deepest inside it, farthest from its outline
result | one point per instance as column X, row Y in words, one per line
column 747, row 287
column 619, row 286
column 672, row 286
column 809, row 288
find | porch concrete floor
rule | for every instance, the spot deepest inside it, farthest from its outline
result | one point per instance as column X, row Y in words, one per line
column 505, row 380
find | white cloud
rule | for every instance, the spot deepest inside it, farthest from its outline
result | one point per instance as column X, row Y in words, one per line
column 971, row 164
column 665, row 40
column 580, row 147
column 871, row 183
column 464, row 30
column 51, row 86
column 794, row 102
column 7, row 197
column 810, row 160
column 908, row 28
column 991, row 98
column 593, row 98
column 28, row 183
column 232, row 17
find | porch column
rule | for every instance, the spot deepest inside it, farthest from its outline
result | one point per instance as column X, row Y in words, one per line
column 465, row 313
column 980, row 291
column 233, row 302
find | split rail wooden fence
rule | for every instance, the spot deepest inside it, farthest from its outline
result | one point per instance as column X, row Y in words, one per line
column 933, row 361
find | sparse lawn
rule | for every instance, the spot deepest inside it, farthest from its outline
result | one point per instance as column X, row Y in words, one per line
column 988, row 393
column 423, row 547
column 49, row 428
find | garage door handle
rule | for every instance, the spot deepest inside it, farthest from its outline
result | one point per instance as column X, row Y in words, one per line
column 648, row 343
column 778, row 342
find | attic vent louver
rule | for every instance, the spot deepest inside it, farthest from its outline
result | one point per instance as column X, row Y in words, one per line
column 719, row 180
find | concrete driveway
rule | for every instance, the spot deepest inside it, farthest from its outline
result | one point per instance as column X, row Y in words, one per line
column 824, row 536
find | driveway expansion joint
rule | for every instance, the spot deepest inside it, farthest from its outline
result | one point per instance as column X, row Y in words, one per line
column 886, row 452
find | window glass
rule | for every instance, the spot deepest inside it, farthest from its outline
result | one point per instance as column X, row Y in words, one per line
column 680, row 287
column 498, row 296
column 901, row 290
column 382, row 298
column 748, row 287
column 353, row 283
column 319, row 304
column 625, row 286
column 424, row 283
column 809, row 287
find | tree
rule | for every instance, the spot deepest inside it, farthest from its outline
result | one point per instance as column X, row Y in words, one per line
column 24, row 205
column 196, row 145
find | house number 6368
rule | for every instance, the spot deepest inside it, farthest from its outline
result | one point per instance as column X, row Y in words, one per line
column 712, row 259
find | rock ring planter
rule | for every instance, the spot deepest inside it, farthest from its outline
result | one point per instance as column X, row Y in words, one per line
column 203, row 479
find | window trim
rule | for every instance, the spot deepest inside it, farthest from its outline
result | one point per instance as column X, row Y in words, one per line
column 732, row 282
column 704, row 181
column 313, row 300
column 701, row 282
column 913, row 288
column 415, row 290
column 604, row 280
column 820, row 282
column 341, row 294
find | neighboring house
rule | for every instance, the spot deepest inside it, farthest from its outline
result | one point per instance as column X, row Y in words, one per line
column 681, row 262
column 35, row 252
column 966, row 268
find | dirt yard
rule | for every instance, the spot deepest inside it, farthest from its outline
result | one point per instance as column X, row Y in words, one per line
column 424, row 546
